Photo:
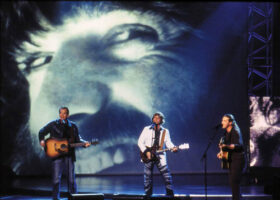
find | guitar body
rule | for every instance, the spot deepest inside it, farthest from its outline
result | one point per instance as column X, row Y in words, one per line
column 56, row 147
column 224, row 156
column 155, row 152
column 224, row 160
column 144, row 157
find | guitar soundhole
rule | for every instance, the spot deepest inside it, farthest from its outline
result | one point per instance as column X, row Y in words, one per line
column 63, row 146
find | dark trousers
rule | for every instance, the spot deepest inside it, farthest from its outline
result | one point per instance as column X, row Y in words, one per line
column 235, row 173
column 148, row 177
column 58, row 165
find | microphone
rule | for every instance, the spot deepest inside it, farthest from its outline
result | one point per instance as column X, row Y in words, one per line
column 217, row 126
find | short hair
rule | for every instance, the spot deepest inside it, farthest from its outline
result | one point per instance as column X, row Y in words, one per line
column 161, row 115
column 64, row 108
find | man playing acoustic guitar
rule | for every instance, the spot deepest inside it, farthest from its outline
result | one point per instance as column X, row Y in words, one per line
column 66, row 129
column 233, row 144
column 153, row 138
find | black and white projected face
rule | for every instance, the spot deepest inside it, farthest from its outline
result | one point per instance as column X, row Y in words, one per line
column 114, row 64
column 265, row 131
column 113, row 68
column 102, row 57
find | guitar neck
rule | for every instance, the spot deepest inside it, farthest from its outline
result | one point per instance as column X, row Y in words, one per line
column 181, row 147
column 80, row 144
column 163, row 150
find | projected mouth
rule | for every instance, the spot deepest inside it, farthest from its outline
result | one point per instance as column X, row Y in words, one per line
column 106, row 154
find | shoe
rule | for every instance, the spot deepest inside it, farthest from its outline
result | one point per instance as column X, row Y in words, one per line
column 147, row 196
column 169, row 192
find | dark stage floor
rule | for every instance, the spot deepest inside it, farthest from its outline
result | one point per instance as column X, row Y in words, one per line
column 131, row 187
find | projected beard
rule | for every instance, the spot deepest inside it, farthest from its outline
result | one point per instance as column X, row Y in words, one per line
column 113, row 68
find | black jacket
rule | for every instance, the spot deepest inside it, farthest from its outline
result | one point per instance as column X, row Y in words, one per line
column 67, row 130
column 234, row 137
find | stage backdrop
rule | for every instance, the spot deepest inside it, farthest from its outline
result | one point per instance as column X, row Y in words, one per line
column 114, row 64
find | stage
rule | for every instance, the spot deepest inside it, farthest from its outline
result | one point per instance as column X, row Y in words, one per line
column 139, row 74
column 186, row 186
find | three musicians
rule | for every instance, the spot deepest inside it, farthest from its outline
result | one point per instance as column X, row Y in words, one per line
column 153, row 137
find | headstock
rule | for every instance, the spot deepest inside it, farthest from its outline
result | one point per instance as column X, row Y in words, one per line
column 184, row 146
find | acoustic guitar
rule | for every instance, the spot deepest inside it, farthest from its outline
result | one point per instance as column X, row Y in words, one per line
column 56, row 147
column 155, row 152
column 223, row 155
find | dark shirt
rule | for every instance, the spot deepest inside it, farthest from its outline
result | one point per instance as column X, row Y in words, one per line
column 234, row 137
column 156, row 142
column 157, row 134
column 67, row 130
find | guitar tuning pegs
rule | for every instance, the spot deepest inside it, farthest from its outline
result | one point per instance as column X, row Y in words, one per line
column 95, row 141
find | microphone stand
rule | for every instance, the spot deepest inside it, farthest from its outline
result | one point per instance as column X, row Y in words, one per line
column 70, row 188
column 204, row 157
column 69, row 159
column 68, row 183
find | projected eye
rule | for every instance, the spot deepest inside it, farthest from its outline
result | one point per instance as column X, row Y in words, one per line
column 126, row 32
column 34, row 61
column 131, row 42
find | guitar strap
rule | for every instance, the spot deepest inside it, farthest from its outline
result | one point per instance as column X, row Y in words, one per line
column 72, row 140
column 162, row 139
column 72, row 136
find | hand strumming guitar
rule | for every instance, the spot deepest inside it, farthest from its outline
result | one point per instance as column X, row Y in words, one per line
column 229, row 146
column 42, row 143
column 219, row 155
column 149, row 155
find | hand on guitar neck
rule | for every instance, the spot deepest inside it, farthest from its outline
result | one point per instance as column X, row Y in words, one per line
column 87, row 144
column 174, row 149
